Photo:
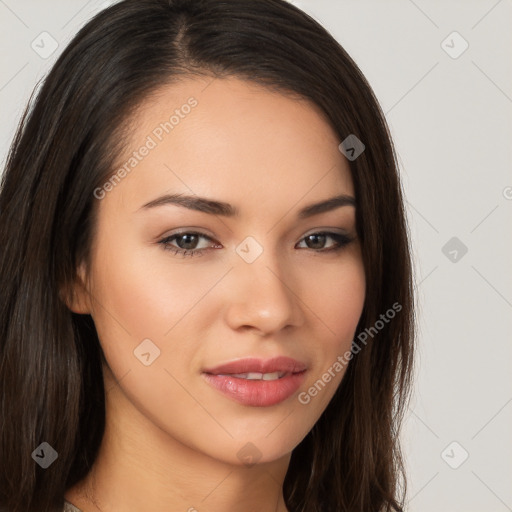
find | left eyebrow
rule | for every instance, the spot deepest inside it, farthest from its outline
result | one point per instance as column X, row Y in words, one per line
column 326, row 206
column 210, row 206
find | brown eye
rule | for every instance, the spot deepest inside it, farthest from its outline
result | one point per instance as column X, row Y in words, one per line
column 317, row 241
column 185, row 243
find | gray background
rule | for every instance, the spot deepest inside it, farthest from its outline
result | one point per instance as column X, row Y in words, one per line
column 452, row 126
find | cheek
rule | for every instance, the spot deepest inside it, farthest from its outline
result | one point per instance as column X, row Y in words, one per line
column 146, row 291
column 337, row 298
column 141, row 296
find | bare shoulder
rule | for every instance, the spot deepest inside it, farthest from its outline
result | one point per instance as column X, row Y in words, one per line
column 69, row 507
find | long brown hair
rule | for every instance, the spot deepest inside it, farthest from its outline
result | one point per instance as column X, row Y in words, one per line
column 51, row 386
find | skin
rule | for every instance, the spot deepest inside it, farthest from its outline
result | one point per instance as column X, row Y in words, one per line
column 171, row 440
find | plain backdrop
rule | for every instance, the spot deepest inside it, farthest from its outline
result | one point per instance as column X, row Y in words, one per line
column 442, row 71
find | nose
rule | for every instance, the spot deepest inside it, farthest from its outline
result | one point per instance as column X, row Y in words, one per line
column 262, row 297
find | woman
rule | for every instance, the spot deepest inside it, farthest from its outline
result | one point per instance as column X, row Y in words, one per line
column 207, row 298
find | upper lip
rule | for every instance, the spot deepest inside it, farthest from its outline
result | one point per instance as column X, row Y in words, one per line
column 253, row 365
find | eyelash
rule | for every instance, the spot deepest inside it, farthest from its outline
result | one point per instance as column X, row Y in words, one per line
column 341, row 240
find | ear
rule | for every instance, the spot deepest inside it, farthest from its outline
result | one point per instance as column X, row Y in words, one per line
column 76, row 296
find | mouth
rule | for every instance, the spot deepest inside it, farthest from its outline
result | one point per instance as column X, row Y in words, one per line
column 256, row 382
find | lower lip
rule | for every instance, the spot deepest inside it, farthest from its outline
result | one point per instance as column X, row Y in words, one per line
column 256, row 393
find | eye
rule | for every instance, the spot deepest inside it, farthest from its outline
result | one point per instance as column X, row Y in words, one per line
column 316, row 241
column 187, row 243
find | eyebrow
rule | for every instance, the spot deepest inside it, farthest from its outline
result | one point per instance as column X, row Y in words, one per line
column 221, row 208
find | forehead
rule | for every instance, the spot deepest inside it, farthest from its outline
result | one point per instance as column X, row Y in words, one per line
column 231, row 139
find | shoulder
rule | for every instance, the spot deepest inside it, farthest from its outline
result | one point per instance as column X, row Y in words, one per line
column 69, row 507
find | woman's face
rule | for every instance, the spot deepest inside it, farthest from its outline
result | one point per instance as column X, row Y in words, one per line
column 264, row 282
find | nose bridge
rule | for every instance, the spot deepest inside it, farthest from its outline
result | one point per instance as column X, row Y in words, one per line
column 261, row 292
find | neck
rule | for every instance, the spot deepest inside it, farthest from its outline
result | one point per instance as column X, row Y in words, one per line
column 141, row 467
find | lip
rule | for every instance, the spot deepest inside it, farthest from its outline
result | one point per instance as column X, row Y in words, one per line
column 257, row 393
column 250, row 364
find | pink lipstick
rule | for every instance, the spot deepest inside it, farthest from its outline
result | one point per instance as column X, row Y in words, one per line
column 257, row 382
